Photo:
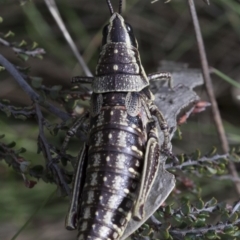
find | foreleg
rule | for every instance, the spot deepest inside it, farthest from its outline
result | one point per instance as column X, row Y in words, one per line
column 79, row 79
column 72, row 131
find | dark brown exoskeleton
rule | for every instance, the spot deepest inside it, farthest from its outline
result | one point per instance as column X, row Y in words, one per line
column 119, row 162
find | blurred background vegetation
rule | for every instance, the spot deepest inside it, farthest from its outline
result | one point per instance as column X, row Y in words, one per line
column 164, row 32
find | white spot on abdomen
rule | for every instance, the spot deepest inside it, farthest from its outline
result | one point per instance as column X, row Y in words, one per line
column 135, row 149
column 121, row 139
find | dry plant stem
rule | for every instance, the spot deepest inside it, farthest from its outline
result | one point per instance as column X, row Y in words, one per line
column 46, row 150
column 57, row 17
column 210, row 92
column 33, row 53
column 200, row 231
column 30, row 92
column 26, row 112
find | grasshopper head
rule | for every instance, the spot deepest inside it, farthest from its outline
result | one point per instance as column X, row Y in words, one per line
column 118, row 31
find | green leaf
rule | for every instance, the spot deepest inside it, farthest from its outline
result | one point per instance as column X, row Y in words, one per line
column 234, row 217
column 22, row 43
column 224, row 217
column 57, row 87
column 200, row 222
column 5, row 100
column 39, row 56
column 196, row 155
column 8, row 159
column 203, row 215
column 189, row 237
column 211, row 235
column 146, row 230
column 211, row 170
column 181, row 158
column 21, row 150
column 2, row 68
column 2, row 136
column 211, row 202
column 168, row 209
column 55, row 91
column 36, row 171
column 9, row 34
column 23, row 56
column 71, row 104
column 7, row 111
column 21, row 117
column 186, row 208
column 179, row 133
column 34, row 45
column 1, row 19
column 212, row 152
column 199, row 204
column 36, row 82
column 229, row 230
column 11, row 145
column 178, row 217
column 165, row 234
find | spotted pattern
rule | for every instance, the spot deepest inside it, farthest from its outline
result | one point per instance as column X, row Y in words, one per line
column 117, row 140
column 119, row 83
column 115, row 161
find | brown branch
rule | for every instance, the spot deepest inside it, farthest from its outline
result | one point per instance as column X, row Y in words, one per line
column 33, row 53
column 52, row 7
column 210, row 92
column 35, row 97
column 47, row 153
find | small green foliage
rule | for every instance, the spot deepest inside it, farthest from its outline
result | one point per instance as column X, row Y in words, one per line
column 36, row 82
column 23, row 56
column 22, row 43
column 54, row 93
column 9, row 34
column 34, row 45
column 1, row 19
column 199, row 203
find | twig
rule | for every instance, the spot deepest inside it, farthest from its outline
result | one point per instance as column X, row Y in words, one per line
column 6, row 151
column 198, row 162
column 209, row 88
column 227, row 177
column 26, row 111
column 46, row 150
column 30, row 92
column 33, row 53
column 56, row 15
column 200, row 231
column 235, row 208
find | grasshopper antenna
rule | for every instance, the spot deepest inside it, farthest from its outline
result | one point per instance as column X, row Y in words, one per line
column 120, row 6
column 110, row 7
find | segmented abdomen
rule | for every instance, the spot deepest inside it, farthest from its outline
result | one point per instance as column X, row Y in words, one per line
column 115, row 159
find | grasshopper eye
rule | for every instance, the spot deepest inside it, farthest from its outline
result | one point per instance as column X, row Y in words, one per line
column 129, row 28
column 131, row 35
